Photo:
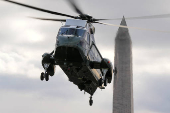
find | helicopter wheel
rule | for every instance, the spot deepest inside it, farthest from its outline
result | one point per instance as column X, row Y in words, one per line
column 42, row 76
column 105, row 82
column 91, row 101
column 46, row 76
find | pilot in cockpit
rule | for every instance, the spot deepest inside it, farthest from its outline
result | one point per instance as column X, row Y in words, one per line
column 71, row 31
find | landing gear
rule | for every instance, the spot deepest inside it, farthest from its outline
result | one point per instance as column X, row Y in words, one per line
column 115, row 70
column 100, row 82
column 42, row 76
column 91, row 101
column 46, row 76
column 105, row 82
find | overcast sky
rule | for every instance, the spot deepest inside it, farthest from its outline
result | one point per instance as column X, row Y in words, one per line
column 24, row 40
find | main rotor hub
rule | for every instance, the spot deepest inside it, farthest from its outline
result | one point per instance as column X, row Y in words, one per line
column 86, row 17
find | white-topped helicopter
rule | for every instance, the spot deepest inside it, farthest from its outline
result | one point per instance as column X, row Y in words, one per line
column 76, row 51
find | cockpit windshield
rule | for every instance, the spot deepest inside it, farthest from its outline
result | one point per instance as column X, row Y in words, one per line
column 72, row 31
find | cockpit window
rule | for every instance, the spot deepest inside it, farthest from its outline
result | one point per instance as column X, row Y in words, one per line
column 72, row 31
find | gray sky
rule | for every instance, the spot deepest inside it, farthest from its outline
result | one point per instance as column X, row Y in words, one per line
column 24, row 40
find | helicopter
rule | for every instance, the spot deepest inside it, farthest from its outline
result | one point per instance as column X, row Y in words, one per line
column 78, row 56
column 76, row 52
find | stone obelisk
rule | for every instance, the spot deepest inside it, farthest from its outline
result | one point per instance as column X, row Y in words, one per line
column 123, row 78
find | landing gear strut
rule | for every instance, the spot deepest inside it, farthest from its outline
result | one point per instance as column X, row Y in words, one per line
column 100, row 82
column 90, row 101
column 105, row 82
column 45, row 75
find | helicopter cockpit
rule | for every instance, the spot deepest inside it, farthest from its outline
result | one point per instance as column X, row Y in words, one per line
column 75, row 32
column 71, row 32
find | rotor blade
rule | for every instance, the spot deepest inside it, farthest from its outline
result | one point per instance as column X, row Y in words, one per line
column 100, row 19
column 145, row 17
column 39, row 9
column 132, row 27
column 140, row 17
column 49, row 19
column 73, row 4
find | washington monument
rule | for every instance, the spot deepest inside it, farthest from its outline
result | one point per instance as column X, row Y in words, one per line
column 123, row 79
